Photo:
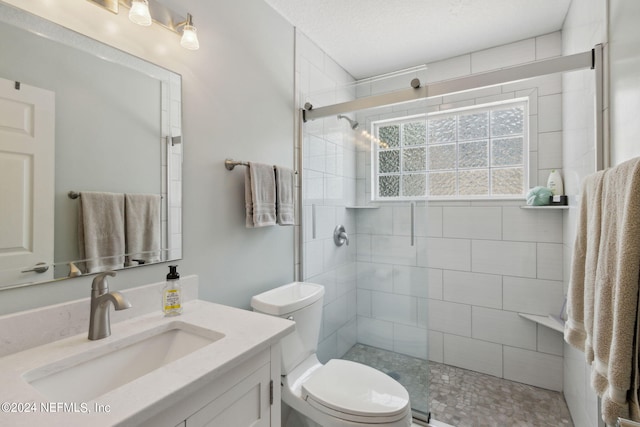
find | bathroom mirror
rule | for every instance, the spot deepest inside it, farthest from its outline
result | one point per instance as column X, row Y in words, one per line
column 117, row 129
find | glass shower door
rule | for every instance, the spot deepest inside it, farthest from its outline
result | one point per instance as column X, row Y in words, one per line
column 375, row 309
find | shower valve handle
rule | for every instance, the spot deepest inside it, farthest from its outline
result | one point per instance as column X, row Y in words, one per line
column 340, row 236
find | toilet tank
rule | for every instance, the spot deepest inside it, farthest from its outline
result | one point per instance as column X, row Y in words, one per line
column 301, row 302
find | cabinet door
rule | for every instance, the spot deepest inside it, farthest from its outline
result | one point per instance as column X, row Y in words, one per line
column 245, row 405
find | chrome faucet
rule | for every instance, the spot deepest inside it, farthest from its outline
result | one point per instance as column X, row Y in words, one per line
column 99, row 322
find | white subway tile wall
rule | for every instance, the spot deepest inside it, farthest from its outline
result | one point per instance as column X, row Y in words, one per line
column 455, row 295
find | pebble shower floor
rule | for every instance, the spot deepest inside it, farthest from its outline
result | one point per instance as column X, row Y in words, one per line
column 464, row 398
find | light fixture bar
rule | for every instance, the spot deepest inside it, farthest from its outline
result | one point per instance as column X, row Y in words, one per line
column 144, row 12
column 110, row 5
column 159, row 13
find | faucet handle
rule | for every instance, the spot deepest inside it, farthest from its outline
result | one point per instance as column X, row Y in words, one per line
column 100, row 281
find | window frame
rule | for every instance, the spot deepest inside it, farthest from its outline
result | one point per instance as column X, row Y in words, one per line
column 485, row 107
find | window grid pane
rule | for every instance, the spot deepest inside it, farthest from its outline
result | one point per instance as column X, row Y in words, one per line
column 468, row 153
column 389, row 136
column 414, row 133
column 389, row 185
column 442, row 130
column 389, row 161
column 414, row 185
column 414, row 159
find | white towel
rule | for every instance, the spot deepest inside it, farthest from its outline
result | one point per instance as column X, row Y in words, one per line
column 610, row 294
column 616, row 294
column 260, row 195
column 580, row 303
column 142, row 228
column 285, row 191
column 101, row 231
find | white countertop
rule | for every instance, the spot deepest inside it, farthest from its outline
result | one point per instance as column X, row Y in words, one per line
column 246, row 334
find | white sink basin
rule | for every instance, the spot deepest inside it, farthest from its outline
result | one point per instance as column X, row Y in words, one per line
column 95, row 373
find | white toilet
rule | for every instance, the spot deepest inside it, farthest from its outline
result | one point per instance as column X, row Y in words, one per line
column 338, row 394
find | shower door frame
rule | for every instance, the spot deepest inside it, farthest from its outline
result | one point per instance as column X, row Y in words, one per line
column 592, row 59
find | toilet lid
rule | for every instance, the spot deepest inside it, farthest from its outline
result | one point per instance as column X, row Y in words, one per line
column 347, row 389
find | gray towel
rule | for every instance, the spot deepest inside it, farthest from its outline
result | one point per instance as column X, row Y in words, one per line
column 142, row 228
column 248, row 200
column 285, row 191
column 260, row 195
column 101, row 231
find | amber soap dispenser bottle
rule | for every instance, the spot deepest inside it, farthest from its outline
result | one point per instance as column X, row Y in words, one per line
column 172, row 293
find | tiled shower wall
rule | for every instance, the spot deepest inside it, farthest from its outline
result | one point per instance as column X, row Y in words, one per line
column 329, row 183
column 483, row 261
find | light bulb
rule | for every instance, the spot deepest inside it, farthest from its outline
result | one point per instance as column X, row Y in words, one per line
column 190, row 38
column 139, row 12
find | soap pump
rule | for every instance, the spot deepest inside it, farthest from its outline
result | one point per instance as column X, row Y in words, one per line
column 172, row 293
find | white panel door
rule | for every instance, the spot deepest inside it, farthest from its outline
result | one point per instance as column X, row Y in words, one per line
column 27, row 158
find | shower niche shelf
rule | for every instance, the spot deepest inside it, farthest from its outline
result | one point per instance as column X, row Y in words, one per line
column 550, row 321
column 546, row 207
column 362, row 207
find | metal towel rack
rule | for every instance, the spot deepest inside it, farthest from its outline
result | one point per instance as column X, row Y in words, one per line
column 76, row 194
column 230, row 164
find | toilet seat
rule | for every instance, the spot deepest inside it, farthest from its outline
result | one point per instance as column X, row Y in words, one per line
column 355, row 392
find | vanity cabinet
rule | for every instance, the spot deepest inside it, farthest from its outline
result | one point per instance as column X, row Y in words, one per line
column 245, row 404
column 245, row 396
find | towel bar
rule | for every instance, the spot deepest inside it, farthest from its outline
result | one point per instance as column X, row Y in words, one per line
column 230, row 164
column 75, row 194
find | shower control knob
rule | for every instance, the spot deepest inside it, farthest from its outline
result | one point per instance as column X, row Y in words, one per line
column 340, row 236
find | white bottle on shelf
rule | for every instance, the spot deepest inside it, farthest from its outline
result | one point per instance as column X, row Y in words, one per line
column 554, row 183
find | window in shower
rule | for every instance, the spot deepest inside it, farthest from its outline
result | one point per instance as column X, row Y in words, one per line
column 472, row 152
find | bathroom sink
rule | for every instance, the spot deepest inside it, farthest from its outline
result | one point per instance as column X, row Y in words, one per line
column 92, row 374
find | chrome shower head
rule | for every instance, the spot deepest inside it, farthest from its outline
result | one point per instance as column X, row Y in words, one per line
column 353, row 123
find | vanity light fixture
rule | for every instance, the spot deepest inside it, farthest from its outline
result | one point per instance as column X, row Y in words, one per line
column 189, row 37
column 139, row 12
column 143, row 12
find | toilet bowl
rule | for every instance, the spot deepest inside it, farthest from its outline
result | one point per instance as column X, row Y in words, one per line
column 340, row 393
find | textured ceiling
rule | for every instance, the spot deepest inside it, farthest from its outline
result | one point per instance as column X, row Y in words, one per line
column 371, row 37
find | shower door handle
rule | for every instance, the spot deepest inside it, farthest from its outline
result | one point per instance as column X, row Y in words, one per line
column 413, row 224
column 313, row 221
